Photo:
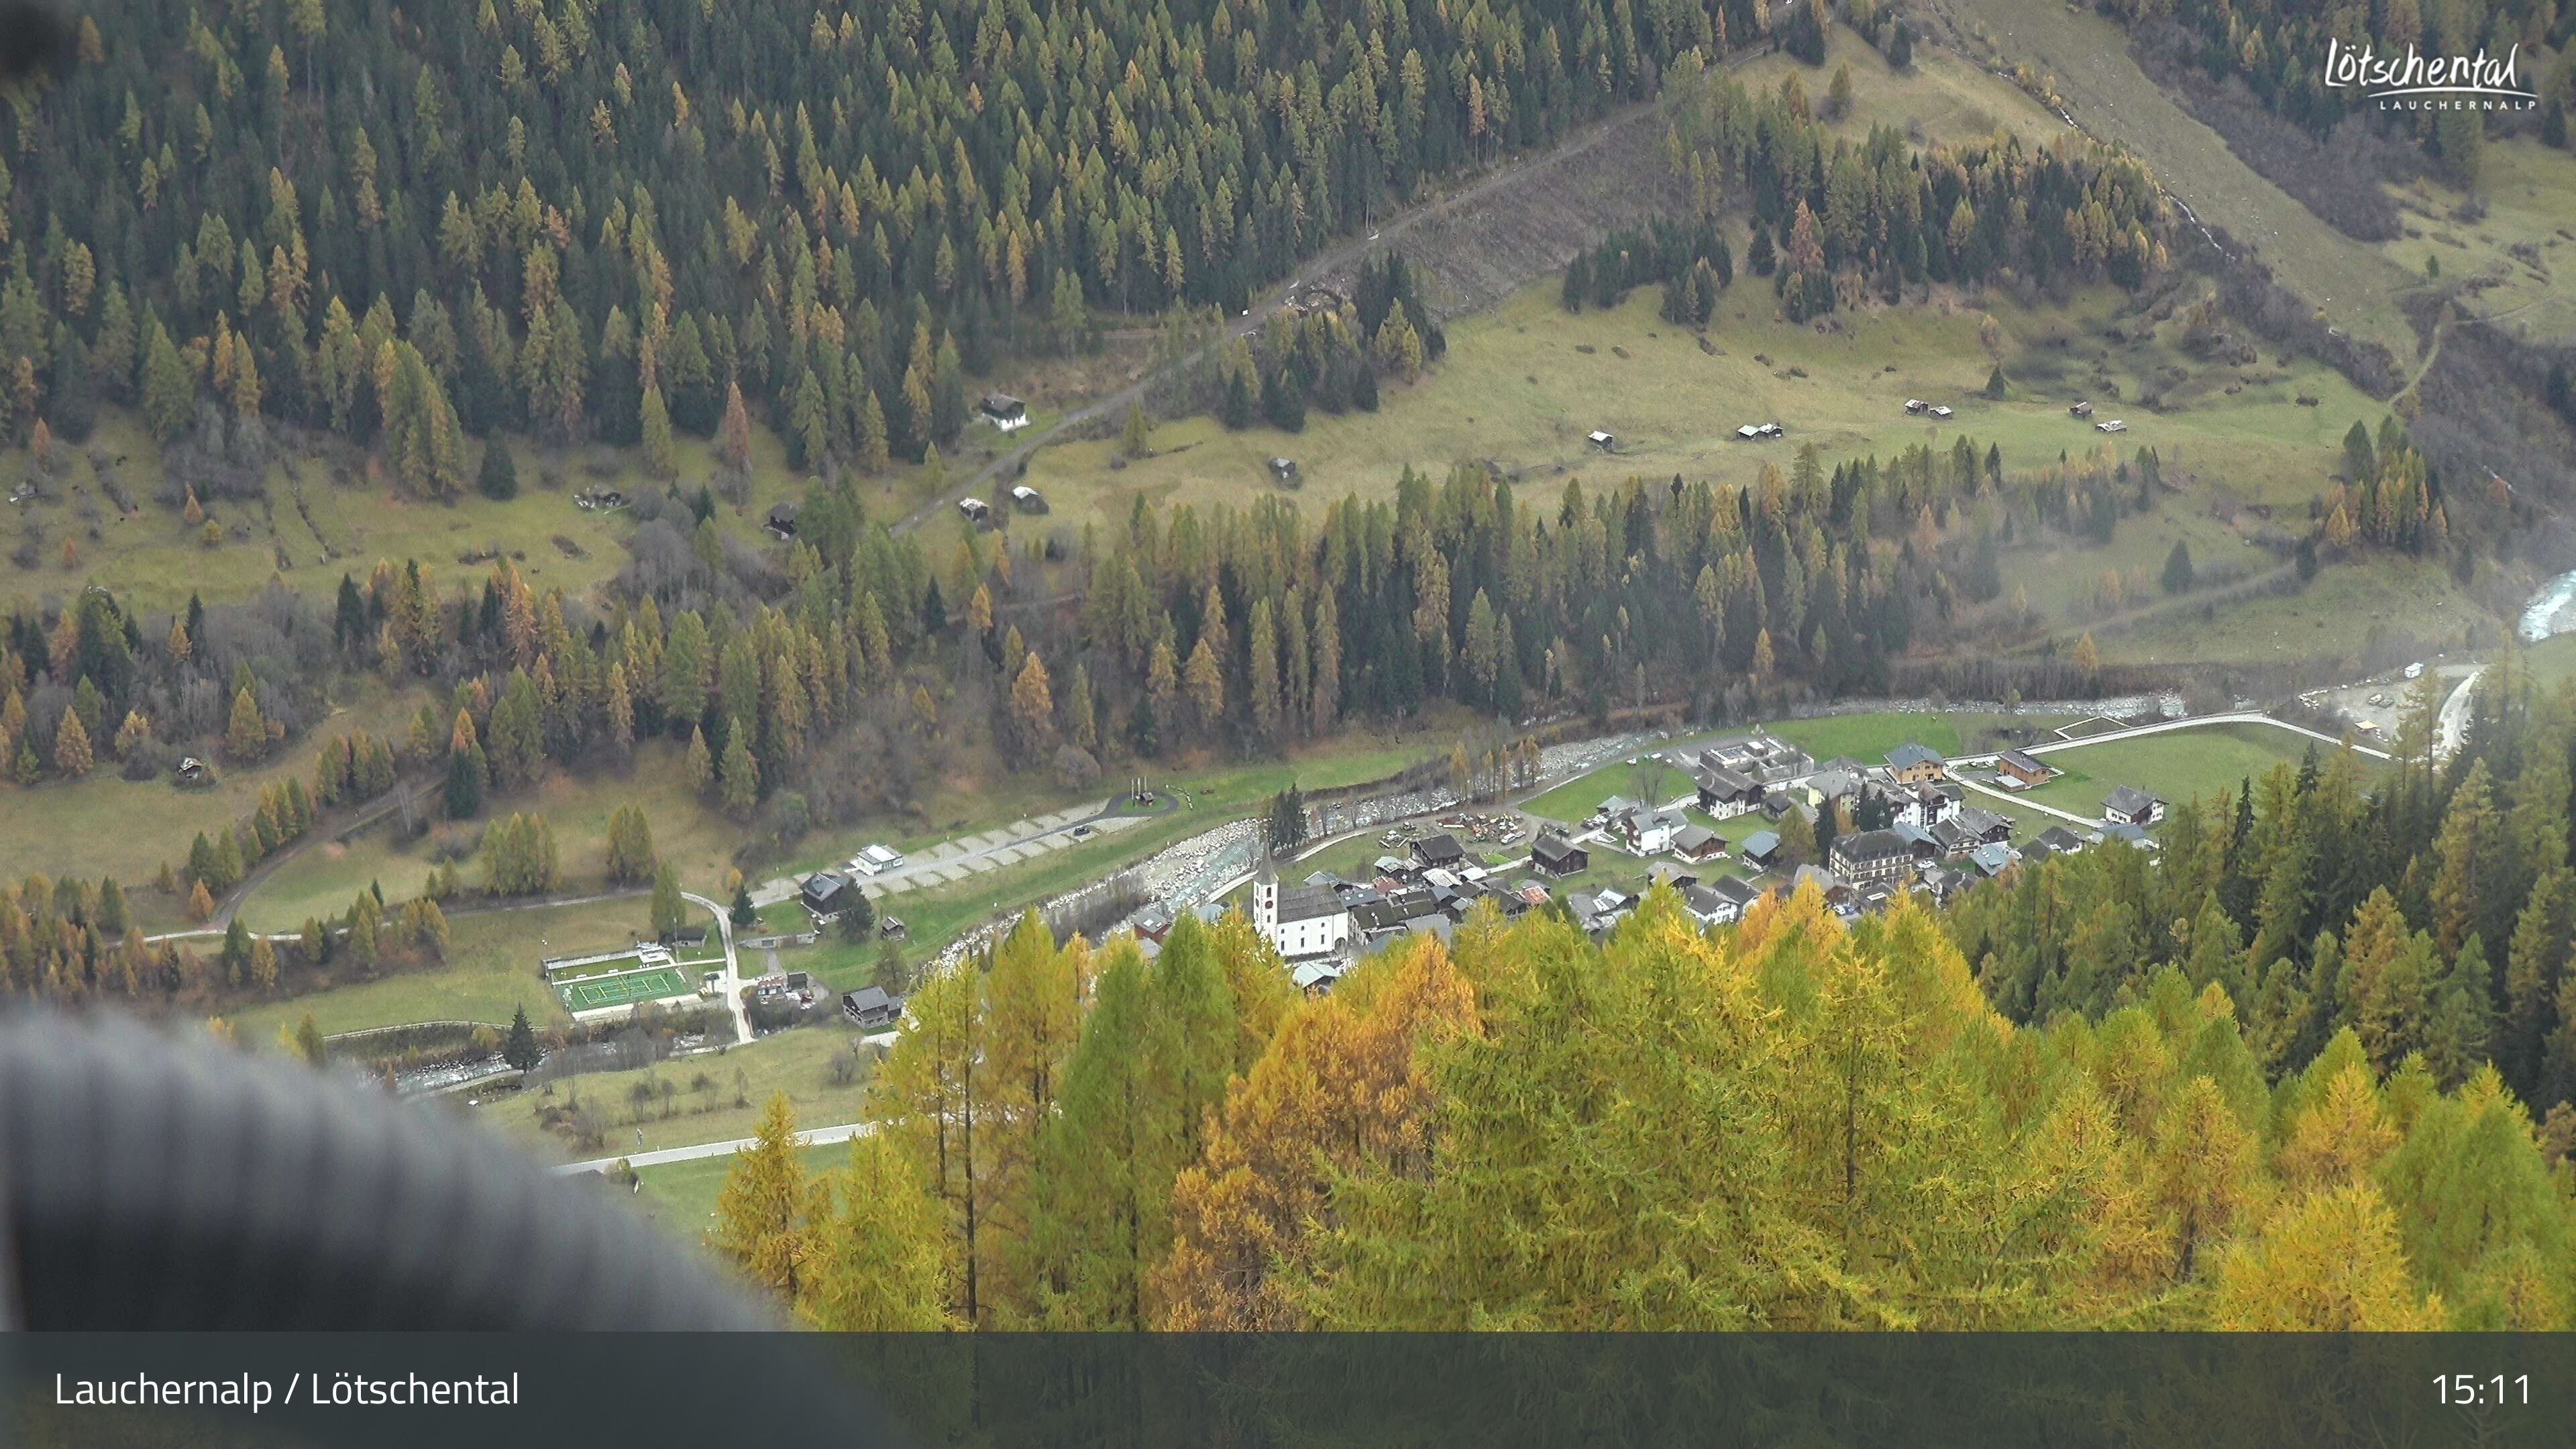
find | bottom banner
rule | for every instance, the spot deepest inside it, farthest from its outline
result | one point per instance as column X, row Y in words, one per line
column 643, row 1391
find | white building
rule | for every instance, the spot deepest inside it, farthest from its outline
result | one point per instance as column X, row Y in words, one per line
column 1299, row 921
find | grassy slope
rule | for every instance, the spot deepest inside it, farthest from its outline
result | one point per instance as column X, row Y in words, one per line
column 491, row 968
column 154, row 560
column 2086, row 58
column 2336, row 611
column 697, row 840
column 680, row 1197
column 1868, row 737
column 2530, row 196
column 1525, row 382
column 797, row 1063
column 2179, row 765
column 105, row 825
column 1941, row 97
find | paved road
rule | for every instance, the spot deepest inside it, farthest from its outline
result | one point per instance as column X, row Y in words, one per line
column 2451, row 726
column 953, row 860
column 2023, row 802
column 731, row 983
column 2242, row 716
column 817, row 1137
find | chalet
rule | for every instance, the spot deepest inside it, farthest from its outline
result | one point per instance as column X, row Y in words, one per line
column 1914, row 764
column 975, row 510
column 1762, row 849
column 599, row 500
column 1604, row 441
column 1754, row 432
column 1558, row 856
column 1671, row 877
column 782, row 519
column 1828, row 785
column 1770, row 430
column 1698, row 844
column 2127, row 806
column 1871, row 855
column 1028, row 499
column 1984, row 827
column 1919, row 805
column 1004, row 411
column 1442, row 850
column 2023, row 767
column 2080, row 410
column 1299, row 921
column 1598, row 911
column 2038, row 853
column 1780, row 803
column 1721, row 901
column 1940, row 412
column 1373, row 921
column 1990, row 860
column 2115, row 425
column 1725, row 793
column 1941, row 882
column 2062, row 841
column 2126, row 834
column 870, row 1006
column 1392, row 870
column 1918, row 842
column 1283, row 471
column 1316, row 977
column 191, row 771
column 1837, row 892
column 893, row 928
column 1644, row 831
column 1153, row 923
column 825, row 894
column 1917, row 405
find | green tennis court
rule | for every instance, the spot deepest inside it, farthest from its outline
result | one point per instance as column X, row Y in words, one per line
column 624, row 989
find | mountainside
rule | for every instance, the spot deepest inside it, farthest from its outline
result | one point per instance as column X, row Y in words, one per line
column 591, row 219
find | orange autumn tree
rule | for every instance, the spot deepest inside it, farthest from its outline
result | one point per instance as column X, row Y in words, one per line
column 1341, row 1086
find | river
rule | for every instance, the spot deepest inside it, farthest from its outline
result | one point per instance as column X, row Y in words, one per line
column 2552, row 610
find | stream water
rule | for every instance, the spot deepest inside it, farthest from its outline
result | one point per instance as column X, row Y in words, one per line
column 2552, row 610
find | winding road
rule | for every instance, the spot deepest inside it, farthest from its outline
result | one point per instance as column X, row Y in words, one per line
column 814, row 1137
column 731, row 982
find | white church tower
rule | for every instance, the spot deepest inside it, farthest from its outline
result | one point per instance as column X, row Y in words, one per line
column 1265, row 898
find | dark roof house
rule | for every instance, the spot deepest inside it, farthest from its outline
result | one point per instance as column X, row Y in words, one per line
column 826, row 893
column 2128, row 806
column 1698, row 843
column 1442, row 849
column 870, row 1006
column 1556, row 855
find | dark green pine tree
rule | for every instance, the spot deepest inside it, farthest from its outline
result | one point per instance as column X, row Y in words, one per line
column 499, row 478
column 521, row 1050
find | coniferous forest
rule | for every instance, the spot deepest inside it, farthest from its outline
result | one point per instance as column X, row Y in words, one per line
column 2311, row 1065
column 591, row 220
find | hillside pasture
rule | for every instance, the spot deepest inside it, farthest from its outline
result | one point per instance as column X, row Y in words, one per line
column 1524, row 383
column 2085, row 59
column 2176, row 766
column 107, row 825
column 491, row 970
column 695, row 839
